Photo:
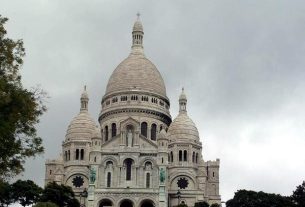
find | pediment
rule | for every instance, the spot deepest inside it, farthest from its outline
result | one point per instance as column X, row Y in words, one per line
column 146, row 143
column 130, row 121
column 113, row 143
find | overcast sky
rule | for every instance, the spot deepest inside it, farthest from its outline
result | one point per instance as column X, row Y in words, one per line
column 242, row 64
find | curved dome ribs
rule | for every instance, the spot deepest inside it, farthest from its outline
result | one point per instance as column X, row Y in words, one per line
column 183, row 128
column 82, row 127
column 136, row 84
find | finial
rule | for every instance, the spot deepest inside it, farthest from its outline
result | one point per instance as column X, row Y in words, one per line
column 138, row 15
column 85, row 87
column 182, row 101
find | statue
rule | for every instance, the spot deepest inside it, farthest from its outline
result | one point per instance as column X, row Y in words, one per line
column 92, row 175
column 162, row 175
column 129, row 138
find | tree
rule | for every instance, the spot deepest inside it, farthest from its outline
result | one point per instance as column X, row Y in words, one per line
column 61, row 195
column 20, row 109
column 26, row 192
column 215, row 205
column 45, row 204
column 245, row 198
column 6, row 195
column 201, row 204
column 298, row 196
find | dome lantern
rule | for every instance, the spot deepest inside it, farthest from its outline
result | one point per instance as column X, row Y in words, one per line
column 84, row 99
column 137, row 36
column 182, row 101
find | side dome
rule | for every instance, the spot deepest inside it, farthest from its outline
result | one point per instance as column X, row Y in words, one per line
column 136, row 73
column 82, row 127
column 183, row 128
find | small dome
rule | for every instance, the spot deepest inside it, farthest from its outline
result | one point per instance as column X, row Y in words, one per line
column 84, row 94
column 82, row 127
column 137, row 27
column 182, row 96
column 136, row 73
column 183, row 128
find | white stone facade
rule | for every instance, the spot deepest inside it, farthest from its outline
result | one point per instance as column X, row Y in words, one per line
column 137, row 156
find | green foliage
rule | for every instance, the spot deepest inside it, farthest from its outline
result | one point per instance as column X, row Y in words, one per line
column 244, row 198
column 182, row 205
column 61, row 195
column 201, row 204
column 215, row 205
column 45, row 204
column 20, row 109
column 6, row 195
column 298, row 196
column 26, row 192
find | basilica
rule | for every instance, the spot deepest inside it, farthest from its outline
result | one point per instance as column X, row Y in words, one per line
column 136, row 156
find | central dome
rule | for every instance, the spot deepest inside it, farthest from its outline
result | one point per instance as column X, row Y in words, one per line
column 136, row 73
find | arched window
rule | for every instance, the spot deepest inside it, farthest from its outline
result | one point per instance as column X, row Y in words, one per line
column 162, row 160
column 172, row 157
column 68, row 154
column 106, row 133
column 82, row 154
column 128, row 165
column 94, row 159
column 147, row 180
column 180, row 155
column 193, row 157
column 196, row 157
column 185, row 155
column 153, row 132
column 108, row 180
column 113, row 130
column 77, row 154
column 144, row 129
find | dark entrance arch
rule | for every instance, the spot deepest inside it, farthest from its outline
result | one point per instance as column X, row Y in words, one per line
column 126, row 203
column 105, row 202
column 147, row 203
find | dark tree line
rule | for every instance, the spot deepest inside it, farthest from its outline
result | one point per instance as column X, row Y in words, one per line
column 247, row 198
column 27, row 193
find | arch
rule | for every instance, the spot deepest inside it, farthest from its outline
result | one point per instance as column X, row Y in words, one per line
column 143, row 161
column 126, row 203
column 144, row 129
column 105, row 202
column 196, row 157
column 147, row 203
column 113, row 130
column 185, row 155
column 66, row 156
column 106, row 133
column 180, row 155
column 172, row 156
column 108, row 179
column 77, row 154
column 153, row 132
column 109, row 158
column 147, row 180
column 82, row 154
column 128, row 165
